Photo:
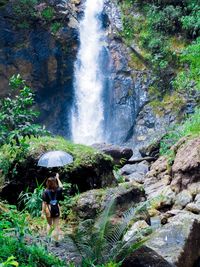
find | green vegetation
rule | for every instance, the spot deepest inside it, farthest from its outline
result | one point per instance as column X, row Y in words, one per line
column 17, row 125
column 18, row 244
column 166, row 35
column 12, row 156
column 24, row 12
column 16, row 114
column 189, row 78
column 48, row 13
column 97, row 243
column 25, row 8
column 9, row 262
column 101, row 243
column 83, row 155
column 32, row 201
column 55, row 27
column 190, row 128
column 27, row 12
column 27, row 255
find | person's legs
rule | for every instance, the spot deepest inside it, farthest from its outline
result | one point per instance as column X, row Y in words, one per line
column 49, row 224
column 56, row 230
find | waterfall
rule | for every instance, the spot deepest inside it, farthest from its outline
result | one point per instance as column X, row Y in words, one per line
column 88, row 114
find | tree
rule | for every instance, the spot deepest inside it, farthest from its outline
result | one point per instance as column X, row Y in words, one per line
column 17, row 115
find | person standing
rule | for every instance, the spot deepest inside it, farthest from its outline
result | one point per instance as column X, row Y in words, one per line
column 50, row 205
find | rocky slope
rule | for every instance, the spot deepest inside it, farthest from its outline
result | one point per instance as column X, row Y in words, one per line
column 171, row 195
column 175, row 211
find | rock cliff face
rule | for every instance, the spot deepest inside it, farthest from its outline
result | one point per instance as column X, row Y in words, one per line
column 42, row 48
column 41, row 41
column 133, row 120
column 129, row 85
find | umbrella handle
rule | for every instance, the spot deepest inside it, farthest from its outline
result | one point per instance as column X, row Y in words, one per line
column 59, row 182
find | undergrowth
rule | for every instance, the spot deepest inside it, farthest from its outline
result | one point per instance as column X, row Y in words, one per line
column 166, row 35
column 190, row 128
column 17, row 240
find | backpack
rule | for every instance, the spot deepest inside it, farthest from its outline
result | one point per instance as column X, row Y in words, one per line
column 53, row 205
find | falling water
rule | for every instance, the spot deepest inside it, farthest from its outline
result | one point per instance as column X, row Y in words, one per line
column 87, row 115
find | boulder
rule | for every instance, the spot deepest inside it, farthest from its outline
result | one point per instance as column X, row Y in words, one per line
column 197, row 198
column 178, row 241
column 159, row 167
column 141, row 168
column 193, row 207
column 90, row 203
column 119, row 154
column 138, row 227
column 151, row 150
column 137, row 177
column 90, row 168
column 182, row 199
column 176, row 244
column 194, row 188
column 135, row 172
column 186, row 167
column 145, row 257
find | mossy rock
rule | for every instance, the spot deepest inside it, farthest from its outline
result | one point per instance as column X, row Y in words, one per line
column 89, row 204
column 90, row 169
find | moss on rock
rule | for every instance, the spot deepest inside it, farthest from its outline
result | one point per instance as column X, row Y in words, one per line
column 90, row 169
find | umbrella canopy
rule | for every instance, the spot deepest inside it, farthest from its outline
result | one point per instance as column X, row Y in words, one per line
column 55, row 159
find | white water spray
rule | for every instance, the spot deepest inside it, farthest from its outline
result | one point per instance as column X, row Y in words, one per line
column 87, row 116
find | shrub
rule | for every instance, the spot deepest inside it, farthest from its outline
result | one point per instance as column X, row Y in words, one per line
column 10, row 261
column 166, row 20
column 15, row 240
column 191, row 19
column 191, row 127
column 26, row 255
column 17, row 115
column 55, row 27
column 151, row 24
column 48, row 13
column 100, row 242
column 24, row 9
column 32, row 201
column 189, row 77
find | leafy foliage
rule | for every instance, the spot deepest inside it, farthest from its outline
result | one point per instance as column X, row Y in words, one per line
column 32, row 201
column 16, row 115
column 190, row 78
column 10, row 261
column 55, row 27
column 158, row 27
column 100, row 242
column 191, row 127
column 11, row 156
column 191, row 19
column 26, row 255
column 166, row 19
column 24, row 12
column 15, row 240
column 67, row 202
column 48, row 13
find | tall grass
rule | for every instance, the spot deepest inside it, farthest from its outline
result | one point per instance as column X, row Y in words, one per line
column 190, row 128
